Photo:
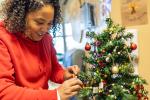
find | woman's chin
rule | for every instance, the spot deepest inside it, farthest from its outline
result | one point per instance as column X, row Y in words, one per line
column 37, row 39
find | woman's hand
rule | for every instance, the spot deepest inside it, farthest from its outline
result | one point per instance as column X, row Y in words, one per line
column 69, row 88
column 71, row 71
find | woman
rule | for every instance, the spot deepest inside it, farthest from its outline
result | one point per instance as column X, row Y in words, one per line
column 27, row 56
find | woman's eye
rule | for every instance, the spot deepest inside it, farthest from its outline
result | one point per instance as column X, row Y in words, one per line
column 39, row 23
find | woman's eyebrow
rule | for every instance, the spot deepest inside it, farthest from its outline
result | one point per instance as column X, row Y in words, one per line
column 40, row 19
column 43, row 20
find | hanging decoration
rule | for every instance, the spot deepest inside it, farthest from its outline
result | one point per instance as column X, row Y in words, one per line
column 134, row 12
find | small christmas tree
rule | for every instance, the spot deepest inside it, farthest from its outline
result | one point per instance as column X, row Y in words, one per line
column 108, row 66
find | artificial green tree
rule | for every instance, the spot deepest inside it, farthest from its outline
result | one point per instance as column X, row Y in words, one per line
column 109, row 69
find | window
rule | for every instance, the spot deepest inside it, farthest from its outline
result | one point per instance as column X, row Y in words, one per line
column 64, row 39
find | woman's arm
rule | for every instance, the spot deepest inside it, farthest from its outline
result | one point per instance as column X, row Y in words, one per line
column 9, row 90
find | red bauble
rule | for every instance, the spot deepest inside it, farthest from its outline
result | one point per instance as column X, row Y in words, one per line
column 133, row 46
column 139, row 95
column 101, row 64
column 87, row 46
column 104, row 82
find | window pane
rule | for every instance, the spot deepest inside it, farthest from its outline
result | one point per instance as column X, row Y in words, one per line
column 71, row 44
column 68, row 29
column 59, row 44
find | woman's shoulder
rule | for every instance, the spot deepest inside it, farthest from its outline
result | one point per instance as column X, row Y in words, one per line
column 3, row 28
column 4, row 33
column 1, row 25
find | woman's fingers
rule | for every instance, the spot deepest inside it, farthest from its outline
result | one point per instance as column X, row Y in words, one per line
column 74, row 81
column 69, row 88
column 71, row 72
column 75, row 69
column 76, row 88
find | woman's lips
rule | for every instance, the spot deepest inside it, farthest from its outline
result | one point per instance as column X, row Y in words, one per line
column 41, row 34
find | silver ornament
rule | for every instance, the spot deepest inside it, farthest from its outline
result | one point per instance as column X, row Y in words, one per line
column 107, row 59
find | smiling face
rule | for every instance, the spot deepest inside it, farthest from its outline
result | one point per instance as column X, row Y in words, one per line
column 39, row 22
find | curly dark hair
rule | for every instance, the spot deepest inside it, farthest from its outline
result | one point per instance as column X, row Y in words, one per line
column 14, row 13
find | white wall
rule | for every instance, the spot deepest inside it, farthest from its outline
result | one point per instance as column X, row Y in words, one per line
column 144, row 40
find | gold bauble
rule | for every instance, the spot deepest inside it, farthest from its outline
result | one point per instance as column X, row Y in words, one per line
column 131, row 70
column 115, row 69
